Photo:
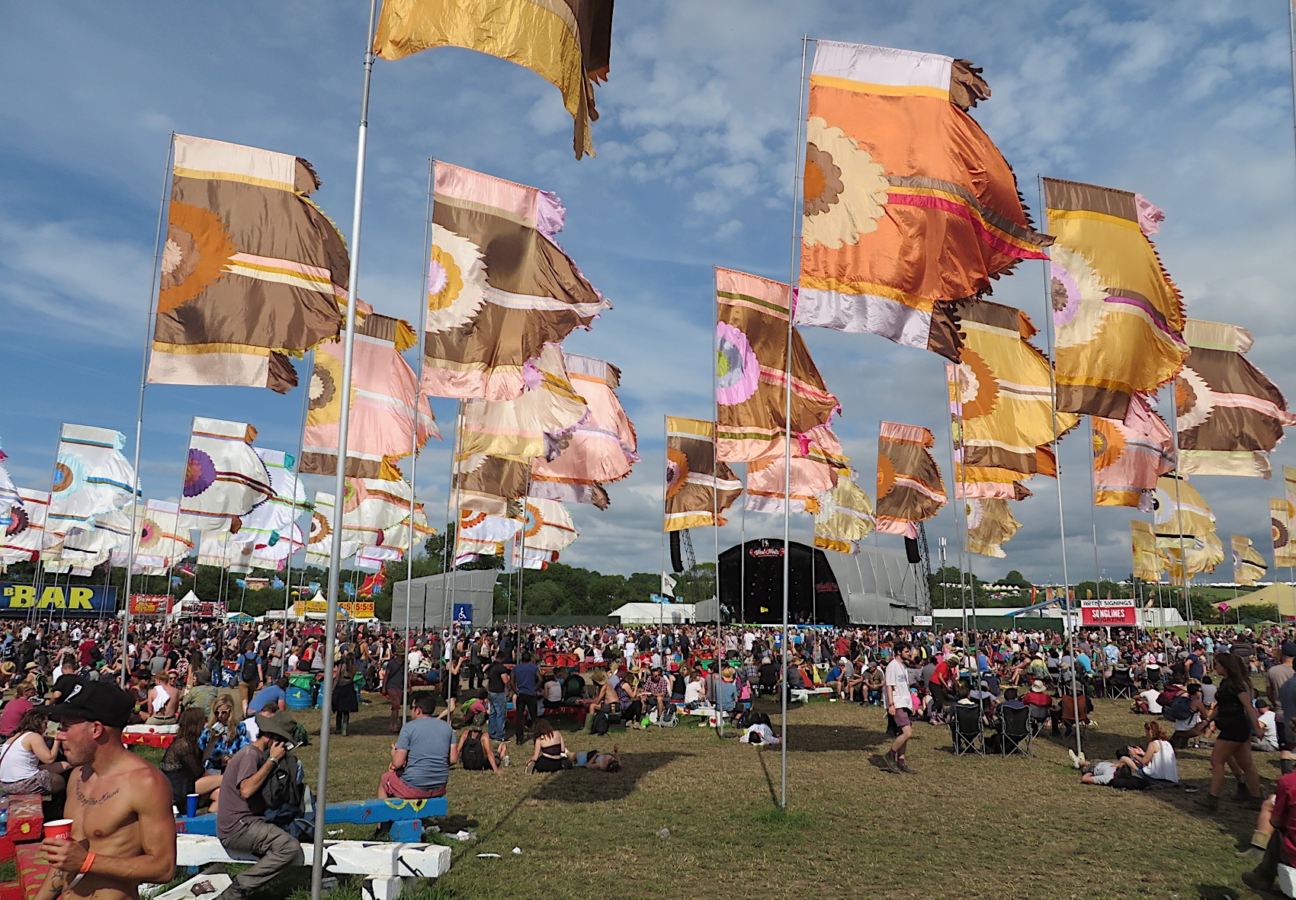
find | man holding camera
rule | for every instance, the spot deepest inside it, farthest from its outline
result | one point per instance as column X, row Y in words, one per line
column 239, row 818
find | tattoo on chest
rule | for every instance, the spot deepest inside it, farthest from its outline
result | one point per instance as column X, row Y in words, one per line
column 95, row 801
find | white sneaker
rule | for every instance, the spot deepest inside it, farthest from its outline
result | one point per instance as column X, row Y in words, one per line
column 1075, row 759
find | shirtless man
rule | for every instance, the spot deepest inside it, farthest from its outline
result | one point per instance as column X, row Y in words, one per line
column 123, row 832
column 163, row 703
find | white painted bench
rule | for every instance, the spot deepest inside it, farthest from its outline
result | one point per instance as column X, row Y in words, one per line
column 1287, row 880
column 382, row 864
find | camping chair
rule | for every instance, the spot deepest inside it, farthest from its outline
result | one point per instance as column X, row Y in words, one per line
column 1038, row 716
column 1014, row 731
column 965, row 728
column 1120, row 686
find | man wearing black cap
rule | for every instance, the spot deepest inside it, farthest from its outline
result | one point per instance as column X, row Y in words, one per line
column 239, row 817
column 123, row 831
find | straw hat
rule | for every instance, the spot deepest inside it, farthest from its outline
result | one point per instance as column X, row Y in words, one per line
column 599, row 676
column 1038, row 686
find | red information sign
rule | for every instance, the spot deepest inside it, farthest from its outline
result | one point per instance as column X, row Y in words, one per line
column 1122, row 613
column 150, row 605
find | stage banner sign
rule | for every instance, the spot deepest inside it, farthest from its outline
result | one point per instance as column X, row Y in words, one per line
column 1121, row 613
column 150, row 605
column 73, row 600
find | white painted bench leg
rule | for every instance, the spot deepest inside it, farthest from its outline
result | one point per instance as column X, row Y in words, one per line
column 382, row 888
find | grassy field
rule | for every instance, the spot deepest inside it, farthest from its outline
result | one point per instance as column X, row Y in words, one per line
column 976, row 827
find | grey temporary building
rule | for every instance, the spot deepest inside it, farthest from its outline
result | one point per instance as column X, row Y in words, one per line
column 429, row 600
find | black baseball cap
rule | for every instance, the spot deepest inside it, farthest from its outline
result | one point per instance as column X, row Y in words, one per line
column 95, row 701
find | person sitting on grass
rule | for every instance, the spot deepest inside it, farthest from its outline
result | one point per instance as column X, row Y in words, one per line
column 1278, row 831
column 1156, row 762
column 550, row 754
column 476, row 752
column 422, row 755
column 1267, row 740
column 627, row 699
column 1188, row 729
column 182, row 763
column 873, row 682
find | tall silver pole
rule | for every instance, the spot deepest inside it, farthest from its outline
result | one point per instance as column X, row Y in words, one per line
column 339, row 481
column 742, row 560
column 1291, row 36
column 139, row 412
column 715, row 495
column 451, row 523
column 1093, row 506
column 296, row 467
column 793, row 266
column 1057, row 452
column 414, row 442
column 1183, row 553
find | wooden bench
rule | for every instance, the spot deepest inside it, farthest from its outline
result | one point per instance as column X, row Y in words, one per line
column 405, row 816
column 384, row 866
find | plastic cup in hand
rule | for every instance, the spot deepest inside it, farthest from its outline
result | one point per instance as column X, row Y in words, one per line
column 59, row 830
column 191, row 805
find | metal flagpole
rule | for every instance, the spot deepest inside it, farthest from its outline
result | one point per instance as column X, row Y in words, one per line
column 139, row 412
column 793, row 265
column 296, row 467
column 414, row 444
column 960, row 514
column 522, row 566
column 1093, row 506
column 715, row 499
column 452, row 523
column 1291, row 26
column 742, row 560
column 1066, row 581
column 1183, row 553
column 339, row 482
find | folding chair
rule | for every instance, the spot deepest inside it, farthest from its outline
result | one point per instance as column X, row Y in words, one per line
column 1038, row 716
column 965, row 728
column 1014, row 731
column 1120, row 686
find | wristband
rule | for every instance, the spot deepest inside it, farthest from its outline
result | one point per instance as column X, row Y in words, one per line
column 87, row 863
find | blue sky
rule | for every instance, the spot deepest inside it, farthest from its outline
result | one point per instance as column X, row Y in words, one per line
column 1188, row 103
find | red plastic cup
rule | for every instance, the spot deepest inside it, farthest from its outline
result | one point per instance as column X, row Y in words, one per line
column 59, row 830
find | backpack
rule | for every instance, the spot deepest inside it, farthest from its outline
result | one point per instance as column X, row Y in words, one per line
column 669, row 717
column 601, row 724
column 1180, row 709
column 283, row 790
column 249, row 672
column 473, row 754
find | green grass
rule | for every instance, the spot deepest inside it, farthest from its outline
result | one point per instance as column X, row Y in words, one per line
column 1002, row 827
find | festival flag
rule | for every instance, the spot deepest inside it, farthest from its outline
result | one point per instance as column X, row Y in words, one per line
column 1119, row 318
column 547, row 526
column 372, row 559
column 1248, row 565
column 699, row 487
column 1130, row 456
column 371, row 585
column 752, row 370
column 25, row 534
column 488, row 483
column 252, row 271
column 162, row 542
column 569, row 44
column 370, row 506
column 275, row 520
column 1148, row 563
column 816, row 460
column 909, row 488
column 535, row 424
column 8, row 495
column 409, row 533
column 908, row 203
column 499, row 286
column 225, row 479
column 220, row 550
column 845, row 516
column 1280, row 516
column 386, row 406
column 990, row 525
column 987, row 483
column 480, row 534
column 1229, row 414
column 600, row 450
column 531, row 558
column 668, row 582
column 91, row 478
column 1001, row 389
column 1185, row 528
column 89, row 546
column 319, row 546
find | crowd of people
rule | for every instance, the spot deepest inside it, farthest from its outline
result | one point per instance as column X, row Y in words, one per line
column 225, row 691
